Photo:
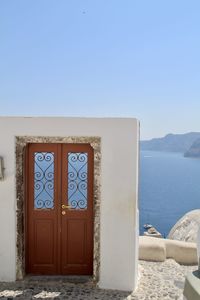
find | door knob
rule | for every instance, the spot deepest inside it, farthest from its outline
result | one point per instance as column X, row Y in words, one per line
column 63, row 212
column 65, row 206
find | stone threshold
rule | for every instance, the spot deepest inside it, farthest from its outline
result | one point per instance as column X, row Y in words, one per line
column 84, row 279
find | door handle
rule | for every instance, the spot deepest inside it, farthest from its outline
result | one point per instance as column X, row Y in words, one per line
column 65, row 206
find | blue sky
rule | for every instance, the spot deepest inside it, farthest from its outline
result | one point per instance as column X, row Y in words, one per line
column 106, row 58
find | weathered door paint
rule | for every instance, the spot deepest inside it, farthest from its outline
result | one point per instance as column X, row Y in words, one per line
column 59, row 209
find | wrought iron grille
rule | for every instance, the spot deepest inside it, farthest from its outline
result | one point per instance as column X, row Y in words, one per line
column 44, row 180
column 77, row 179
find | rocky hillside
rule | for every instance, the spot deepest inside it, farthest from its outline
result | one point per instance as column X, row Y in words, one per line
column 172, row 142
column 194, row 150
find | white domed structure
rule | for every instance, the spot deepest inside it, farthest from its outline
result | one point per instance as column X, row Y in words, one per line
column 186, row 228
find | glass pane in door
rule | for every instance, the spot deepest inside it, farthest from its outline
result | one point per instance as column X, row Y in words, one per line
column 77, row 179
column 44, row 180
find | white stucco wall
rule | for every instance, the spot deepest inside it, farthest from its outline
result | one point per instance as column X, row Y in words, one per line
column 119, row 188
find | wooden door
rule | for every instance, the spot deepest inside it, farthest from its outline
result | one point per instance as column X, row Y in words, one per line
column 59, row 209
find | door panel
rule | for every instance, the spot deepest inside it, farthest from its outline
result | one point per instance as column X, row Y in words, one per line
column 74, row 242
column 77, row 231
column 59, row 235
column 42, row 209
column 43, row 238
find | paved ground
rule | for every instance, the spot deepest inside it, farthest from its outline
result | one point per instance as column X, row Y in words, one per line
column 57, row 289
column 159, row 281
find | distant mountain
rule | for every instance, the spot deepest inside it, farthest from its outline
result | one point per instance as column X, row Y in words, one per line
column 172, row 142
column 194, row 150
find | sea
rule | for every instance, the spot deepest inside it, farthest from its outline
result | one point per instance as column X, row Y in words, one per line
column 169, row 187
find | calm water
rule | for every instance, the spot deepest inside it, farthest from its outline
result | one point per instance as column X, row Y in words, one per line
column 169, row 187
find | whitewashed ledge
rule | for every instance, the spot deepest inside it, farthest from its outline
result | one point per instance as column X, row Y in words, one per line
column 161, row 280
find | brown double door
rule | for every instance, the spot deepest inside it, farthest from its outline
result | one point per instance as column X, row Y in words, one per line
column 59, row 210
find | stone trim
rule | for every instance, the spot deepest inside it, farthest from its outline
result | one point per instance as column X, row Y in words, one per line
column 21, row 142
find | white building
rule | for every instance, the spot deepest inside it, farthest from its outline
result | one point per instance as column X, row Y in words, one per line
column 69, row 198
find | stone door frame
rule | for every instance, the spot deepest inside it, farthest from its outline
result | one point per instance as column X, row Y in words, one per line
column 20, row 145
